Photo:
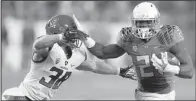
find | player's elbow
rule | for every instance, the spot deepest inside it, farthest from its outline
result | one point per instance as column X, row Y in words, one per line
column 37, row 45
column 94, row 69
column 190, row 73
column 40, row 44
column 91, row 67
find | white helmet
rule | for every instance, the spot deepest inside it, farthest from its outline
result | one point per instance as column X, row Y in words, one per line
column 144, row 19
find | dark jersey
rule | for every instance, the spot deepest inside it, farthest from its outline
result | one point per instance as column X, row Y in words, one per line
column 149, row 78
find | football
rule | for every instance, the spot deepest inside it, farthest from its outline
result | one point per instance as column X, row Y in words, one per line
column 172, row 59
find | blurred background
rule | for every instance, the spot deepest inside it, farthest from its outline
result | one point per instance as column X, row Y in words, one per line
column 23, row 21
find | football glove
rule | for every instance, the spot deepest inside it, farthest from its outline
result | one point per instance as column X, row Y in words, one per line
column 72, row 34
column 163, row 64
column 128, row 72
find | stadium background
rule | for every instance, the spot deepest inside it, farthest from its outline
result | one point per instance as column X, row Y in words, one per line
column 23, row 21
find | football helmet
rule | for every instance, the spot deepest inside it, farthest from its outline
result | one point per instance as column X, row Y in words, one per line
column 144, row 19
column 61, row 24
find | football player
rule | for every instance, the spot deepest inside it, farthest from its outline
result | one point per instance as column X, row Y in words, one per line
column 54, row 57
column 142, row 41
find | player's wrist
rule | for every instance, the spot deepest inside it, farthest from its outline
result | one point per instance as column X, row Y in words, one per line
column 118, row 71
column 172, row 68
column 89, row 42
column 60, row 36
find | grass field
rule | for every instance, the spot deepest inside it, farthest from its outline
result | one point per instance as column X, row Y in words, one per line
column 90, row 86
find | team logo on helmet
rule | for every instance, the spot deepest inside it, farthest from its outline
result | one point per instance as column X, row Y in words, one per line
column 53, row 23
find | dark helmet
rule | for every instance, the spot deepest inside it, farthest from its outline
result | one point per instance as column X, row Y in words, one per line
column 59, row 24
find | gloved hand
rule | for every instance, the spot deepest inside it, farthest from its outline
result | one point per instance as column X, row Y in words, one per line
column 128, row 72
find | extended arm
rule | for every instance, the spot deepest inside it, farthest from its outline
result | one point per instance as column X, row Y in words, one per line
column 42, row 45
column 103, row 52
column 97, row 49
column 99, row 67
column 108, row 51
column 186, row 64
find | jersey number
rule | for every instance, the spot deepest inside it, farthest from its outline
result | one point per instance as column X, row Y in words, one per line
column 144, row 65
column 55, row 81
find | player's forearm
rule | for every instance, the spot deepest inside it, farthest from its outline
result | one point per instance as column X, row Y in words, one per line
column 186, row 71
column 95, row 48
column 104, row 68
column 98, row 67
column 102, row 51
column 46, row 41
column 98, row 51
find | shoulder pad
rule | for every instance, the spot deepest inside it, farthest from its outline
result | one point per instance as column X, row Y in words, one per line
column 125, row 30
column 169, row 35
column 126, row 34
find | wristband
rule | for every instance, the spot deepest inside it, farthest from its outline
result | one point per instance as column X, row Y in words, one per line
column 60, row 37
column 89, row 42
column 118, row 71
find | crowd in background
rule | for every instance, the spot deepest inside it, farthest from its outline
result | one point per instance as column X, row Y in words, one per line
column 23, row 21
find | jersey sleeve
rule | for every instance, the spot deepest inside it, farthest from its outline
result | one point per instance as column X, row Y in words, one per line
column 55, row 52
column 170, row 35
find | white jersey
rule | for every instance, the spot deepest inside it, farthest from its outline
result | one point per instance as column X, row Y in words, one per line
column 44, row 78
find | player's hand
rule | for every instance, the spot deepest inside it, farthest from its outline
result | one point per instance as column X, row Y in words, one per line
column 128, row 72
column 160, row 63
column 163, row 64
column 72, row 34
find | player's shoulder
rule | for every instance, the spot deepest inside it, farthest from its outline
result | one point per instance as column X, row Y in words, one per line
column 125, row 31
column 170, row 34
column 125, row 34
column 56, row 51
column 55, row 48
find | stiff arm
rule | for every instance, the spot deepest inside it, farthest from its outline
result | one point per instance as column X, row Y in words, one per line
column 92, row 64
column 99, row 67
column 106, row 51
